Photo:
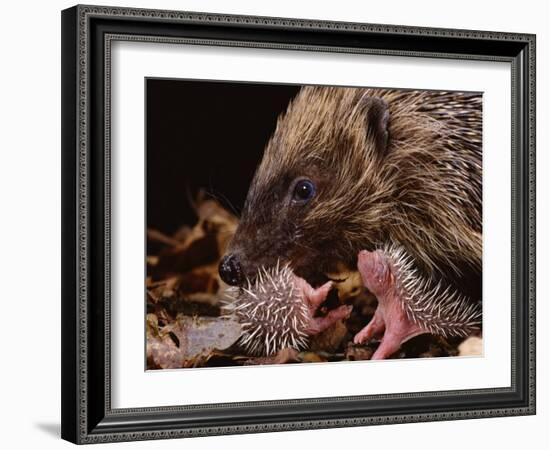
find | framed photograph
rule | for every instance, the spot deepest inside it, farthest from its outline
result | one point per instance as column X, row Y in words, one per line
column 281, row 224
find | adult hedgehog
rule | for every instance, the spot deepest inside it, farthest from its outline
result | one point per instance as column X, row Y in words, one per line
column 387, row 178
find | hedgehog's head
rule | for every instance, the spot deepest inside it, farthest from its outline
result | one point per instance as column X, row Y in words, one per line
column 316, row 194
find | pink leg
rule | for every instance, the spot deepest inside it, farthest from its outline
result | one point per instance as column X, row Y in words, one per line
column 322, row 323
column 374, row 329
column 315, row 297
column 390, row 318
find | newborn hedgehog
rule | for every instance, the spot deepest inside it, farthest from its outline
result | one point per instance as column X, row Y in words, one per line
column 409, row 305
column 276, row 311
column 351, row 170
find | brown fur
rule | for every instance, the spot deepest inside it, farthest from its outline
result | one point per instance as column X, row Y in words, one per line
column 420, row 188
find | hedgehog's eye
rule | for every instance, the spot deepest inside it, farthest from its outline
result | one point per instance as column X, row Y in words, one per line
column 303, row 191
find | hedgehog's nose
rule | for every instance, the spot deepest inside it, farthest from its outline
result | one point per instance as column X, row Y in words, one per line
column 230, row 270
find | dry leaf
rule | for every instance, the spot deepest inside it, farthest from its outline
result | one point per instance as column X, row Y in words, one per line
column 358, row 352
column 283, row 356
column 311, row 357
column 348, row 284
column 473, row 346
column 330, row 339
column 188, row 341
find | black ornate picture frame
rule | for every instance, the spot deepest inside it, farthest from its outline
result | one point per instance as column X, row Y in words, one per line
column 87, row 34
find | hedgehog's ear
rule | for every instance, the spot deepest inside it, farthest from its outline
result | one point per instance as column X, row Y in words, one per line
column 378, row 117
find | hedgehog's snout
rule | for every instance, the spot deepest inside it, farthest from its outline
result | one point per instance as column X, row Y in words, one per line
column 231, row 271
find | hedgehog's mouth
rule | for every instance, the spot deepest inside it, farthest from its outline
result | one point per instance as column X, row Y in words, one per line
column 314, row 277
column 236, row 268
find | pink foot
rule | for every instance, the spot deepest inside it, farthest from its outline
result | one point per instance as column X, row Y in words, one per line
column 390, row 320
column 315, row 297
column 374, row 330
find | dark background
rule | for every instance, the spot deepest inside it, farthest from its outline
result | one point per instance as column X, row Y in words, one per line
column 205, row 134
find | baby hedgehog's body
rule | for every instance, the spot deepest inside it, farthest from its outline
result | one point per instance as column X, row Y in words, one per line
column 350, row 170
